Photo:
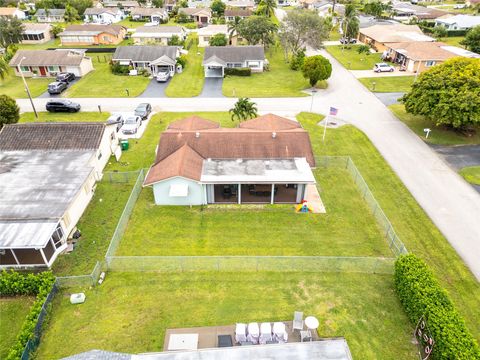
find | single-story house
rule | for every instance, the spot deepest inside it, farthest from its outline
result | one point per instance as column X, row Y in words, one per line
column 92, row 34
column 155, row 15
column 103, row 15
column 231, row 14
column 47, row 63
column 36, row 33
column 201, row 16
column 125, row 5
column 406, row 11
column 379, row 36
column 459, row 22
column 199, row 3
column 50, row 16
column 154, row 58
column 217, row 58
column 472, row 2
column 420, row 56
column 265, row 160
column 240, row 4
column 170, row 4
column 205, row 33
column 145, row 35
column 10, row 12
column 47, row 178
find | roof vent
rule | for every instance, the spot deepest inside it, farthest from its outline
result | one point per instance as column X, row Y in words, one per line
column 197, row 134
column 274, row 135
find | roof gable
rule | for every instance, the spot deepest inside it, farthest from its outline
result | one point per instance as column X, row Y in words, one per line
column 270, row 122
column 235, row 53
column 48, row 57
column 145, row 52
column 193, row 123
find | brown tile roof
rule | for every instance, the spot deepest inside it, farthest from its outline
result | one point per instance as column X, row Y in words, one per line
column 270, row 122
column 422, row 50
column 51, row 136
column 395, row 33
column 109, row 29
column 48, row 57
column 7, row 11
column 193, row 123
column 238, row 12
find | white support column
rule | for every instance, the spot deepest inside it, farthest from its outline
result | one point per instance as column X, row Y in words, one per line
column 273, row 194
column 239, row 192
column 43, row 256
column 15, row 256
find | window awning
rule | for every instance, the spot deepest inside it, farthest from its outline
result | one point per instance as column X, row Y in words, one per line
column 178, row 190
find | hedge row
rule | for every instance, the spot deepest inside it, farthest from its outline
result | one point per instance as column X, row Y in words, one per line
column 421, row 294
column 238, row 71
column 12, row 284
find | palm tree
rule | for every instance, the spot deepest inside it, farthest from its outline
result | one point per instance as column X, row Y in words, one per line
column 350, row 21
column 244, row 109
column 233, row 26
column 267, row 8
column 3, row 68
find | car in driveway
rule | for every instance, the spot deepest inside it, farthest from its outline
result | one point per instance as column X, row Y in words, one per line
column 116, row 119
column 383, row 67
column 57, row 87
column 62, row 105
column 346, row 41
column 143, row 110
column 131, row 125
column 65, row 77
column 163, row 76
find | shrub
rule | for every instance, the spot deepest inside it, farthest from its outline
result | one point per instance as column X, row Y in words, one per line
column 182, row 60
column 421, row 295
column 9, row 110
column 190, row 41
column 297, row 59
column 238, row 71
column 118, row 69
column 190, row 25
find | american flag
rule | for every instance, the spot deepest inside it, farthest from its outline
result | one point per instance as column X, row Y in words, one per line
column 333, row 111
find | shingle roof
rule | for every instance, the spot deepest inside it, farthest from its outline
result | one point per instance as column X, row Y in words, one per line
column 123, row 3
column 141, row 11
column 422, row 50
column 234, row 53
column 34, row 28
column 238, row 12
column 51, row 136
column 144, row 53
column 158, row 30
column 395, row 33
column 193, row 123
column 48, row 57
column 97, row 11
column 109, row 29
column 195, row 11
column 466, row 21
column 270, row 122
column 213, row 29
column 52, row 12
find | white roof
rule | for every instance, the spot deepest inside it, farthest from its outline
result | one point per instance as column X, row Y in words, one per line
column 25, row 234
column 464, row 21
column 178, row 190
column 212, row 30
column 461, row 52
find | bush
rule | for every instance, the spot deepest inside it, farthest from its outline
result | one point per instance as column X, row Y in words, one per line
column 190, row 41
column 182, row 60
column 190, row 25
column 238, row 71
column 296, row 61
column 421, row 295
column 9, row 110
column 118, row 69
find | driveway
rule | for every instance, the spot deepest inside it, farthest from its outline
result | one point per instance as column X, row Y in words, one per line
column 155, row 89
column 46, row 95
column 212, row 88
column 389, row 98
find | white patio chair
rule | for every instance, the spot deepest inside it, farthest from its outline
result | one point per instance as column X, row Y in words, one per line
column 280, row 332
column 265, row 333
column 240, row 333
column 297, row 321
column 305, row 336
column 253, row 333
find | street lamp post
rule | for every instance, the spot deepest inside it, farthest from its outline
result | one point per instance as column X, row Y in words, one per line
column 26, row 86
column 313, row 95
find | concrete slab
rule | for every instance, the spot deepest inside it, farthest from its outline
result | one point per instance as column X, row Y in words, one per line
column 314, row 200
column 212, row 88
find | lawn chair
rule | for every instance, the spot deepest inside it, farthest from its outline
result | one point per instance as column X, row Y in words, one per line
column 297, row 321
column 253, row 333
column 240, row 333
column 280, row 332
column 305, row 336
column 265, row 333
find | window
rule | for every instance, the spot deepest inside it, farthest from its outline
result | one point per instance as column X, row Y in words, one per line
column 24, row 68
column 106, row 38
column 53, row 68
column 429, row 63
column 57, row 236
column 253, row 64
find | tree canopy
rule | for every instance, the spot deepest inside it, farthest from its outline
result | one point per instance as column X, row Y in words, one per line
column 218, row 40
column 257, row 30
column 218, row 7
column 316, row 68
column 9, row 111
column 10, row 31
column 351, row 23
column 472, row 40
column 243, row 109
column 448, row 93
column 266, row 8
column 79, row 5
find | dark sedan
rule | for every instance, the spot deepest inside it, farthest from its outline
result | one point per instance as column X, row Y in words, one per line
column 143, row 110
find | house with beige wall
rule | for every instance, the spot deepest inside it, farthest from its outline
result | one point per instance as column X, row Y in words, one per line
column 36, row 33
column 92, row 34
column 148, row 35
column 206, row 33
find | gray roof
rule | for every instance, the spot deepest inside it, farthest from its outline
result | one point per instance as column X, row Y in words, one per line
column 145, row 53
column 141, row 11
column 158, row 29
column 98, row 11
column 234, row 53
column 34, row 28
column 52, row 12
column 51, row 136
column 48, row 57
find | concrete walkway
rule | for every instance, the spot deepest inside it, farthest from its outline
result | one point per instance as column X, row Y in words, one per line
column 370, row 73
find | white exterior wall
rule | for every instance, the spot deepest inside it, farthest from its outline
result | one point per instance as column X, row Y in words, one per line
column 196, row 192
column 86, row 66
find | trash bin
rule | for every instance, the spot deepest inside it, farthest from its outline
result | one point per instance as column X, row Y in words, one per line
column 124, row 145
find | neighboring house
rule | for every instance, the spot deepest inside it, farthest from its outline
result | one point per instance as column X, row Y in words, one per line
column 10, row 12
column 169, row 5
column 199, row 3
column 420, row 56
column 154, row 15
column 240, row 4
column 472, row 2
column 206, row 33
column 36, row 33
column 103, row 15
column 125, row 5
column 459, row 22
column 47, row 63
column 266, row 160
column 92, row 34
column 50, row 16
column 379, row 36
column 324, row 8
column 217, row 58
column 153, row 58
column 405, row 11
column 231, row 14
column 145, row 35
column 52, row 170
column 201, row 16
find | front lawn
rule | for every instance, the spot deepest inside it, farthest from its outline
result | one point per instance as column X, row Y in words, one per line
column 453, row 40
column 130, row 312
column 44, row 116
column 13, row 311
column 439, row 135
column 388, row 83
column 279, row 81
column 13, row 86
column 101, row 82
column 351, row 59
column 471, row 174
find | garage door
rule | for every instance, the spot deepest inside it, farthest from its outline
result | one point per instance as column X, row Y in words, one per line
column 213, row 71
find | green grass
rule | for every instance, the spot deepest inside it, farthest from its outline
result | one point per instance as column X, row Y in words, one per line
column 279, row 81
column 471, row 174
column 130, row 312
column 334, row 35
column 190, row 82
column 49, row 44
column 101, row 82
column 388, row 83
column 13, row 86
column 44, row 116
column 351, row 59
column 13, row 311
column 439, row 135
column 272, row 230
column 453, row 40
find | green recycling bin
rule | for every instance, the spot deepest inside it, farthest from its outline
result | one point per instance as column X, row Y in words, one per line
column 124, row 144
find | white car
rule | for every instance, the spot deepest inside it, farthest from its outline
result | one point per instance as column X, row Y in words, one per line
column 163, row 76
column 383, row 67
column 131, row 125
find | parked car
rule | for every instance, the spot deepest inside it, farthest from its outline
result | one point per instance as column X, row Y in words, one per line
column 62, row 105
column 143, row 110
column 57, row 87
column 65, row 77
column 116, row 119
column 163, row 76
column 347, row 41
column 383, row 67
column 131, row 125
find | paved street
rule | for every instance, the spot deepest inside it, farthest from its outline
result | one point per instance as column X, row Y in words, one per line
column 370, row 73
column 451, row 203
